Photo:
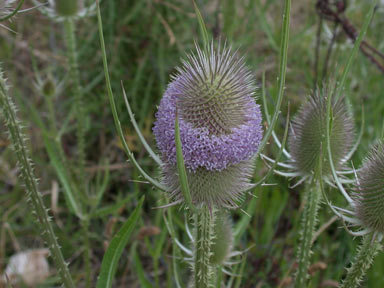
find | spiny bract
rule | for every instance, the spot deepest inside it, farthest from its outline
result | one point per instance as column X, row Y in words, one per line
column 220, row 126
column 307, row 139
column 369, row 190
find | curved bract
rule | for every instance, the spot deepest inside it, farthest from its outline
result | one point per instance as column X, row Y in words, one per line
column 369, row 191
column 220, row 126
column 307, row 140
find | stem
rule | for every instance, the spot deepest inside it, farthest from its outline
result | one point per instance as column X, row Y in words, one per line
column 30, row 182
column 363, row 260
column 52, row 116
column 74, row 76
column 307, row 230
column 204, row 276
column 317, row 52
column 87, row 253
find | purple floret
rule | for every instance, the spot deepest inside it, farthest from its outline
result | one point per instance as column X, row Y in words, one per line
column 201, row 148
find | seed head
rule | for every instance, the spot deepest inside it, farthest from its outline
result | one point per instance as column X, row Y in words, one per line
column 307, row 140
column 369, row 190
column 220, row 125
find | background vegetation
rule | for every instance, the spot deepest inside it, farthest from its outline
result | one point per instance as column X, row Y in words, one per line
column 145, row 40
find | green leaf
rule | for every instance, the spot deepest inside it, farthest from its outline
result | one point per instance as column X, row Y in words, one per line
column 282, row 73
column 70, row 189
column 137, row 129
column 168, row 219
column 144, row 282
column 115, row 249
column 114, row 109
column 203, row 28
column 181, row 167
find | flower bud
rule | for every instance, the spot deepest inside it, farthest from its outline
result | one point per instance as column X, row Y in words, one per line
column 369, row 191
column 49, row 87
column 223, row 241
column 68, row 8
column 220, row 126
column 307, row 140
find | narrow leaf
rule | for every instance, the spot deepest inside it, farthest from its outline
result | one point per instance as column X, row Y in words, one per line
column 115, row 249
column 203, row 28
column 70, row 189
column 181, row 167
column 137, row 129
column 282, row 72
column 114, row 110
column 144, row 282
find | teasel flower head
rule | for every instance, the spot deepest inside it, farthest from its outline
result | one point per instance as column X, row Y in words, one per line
column 220, row 126
column 368, row 194
column 59, row 10
column 366, row 202
column 307, row 140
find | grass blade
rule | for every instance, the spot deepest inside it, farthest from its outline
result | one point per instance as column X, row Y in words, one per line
column 115, row 249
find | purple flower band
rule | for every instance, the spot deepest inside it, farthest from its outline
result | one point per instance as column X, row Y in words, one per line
column 201, row 148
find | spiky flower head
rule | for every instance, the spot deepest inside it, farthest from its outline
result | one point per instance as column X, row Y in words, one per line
column 59, row 10
column 220, row 126
column 369, row 191
column 307, row 140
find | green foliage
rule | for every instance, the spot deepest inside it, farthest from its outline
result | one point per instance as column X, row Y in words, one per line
column 115, row 249
column 144, row 41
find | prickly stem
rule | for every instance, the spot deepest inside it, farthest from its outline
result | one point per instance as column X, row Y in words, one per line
column 74, row 76
column 204, row 272
column 27, row 176
column 307, row 229
column 363, row 260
